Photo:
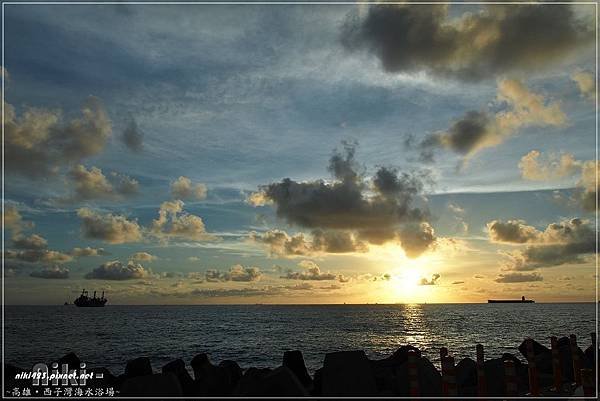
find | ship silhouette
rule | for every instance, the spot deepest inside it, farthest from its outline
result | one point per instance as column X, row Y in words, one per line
column 511, row 301
column 85, row 301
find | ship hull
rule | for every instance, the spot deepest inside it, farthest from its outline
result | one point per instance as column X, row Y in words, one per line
column 510, row 301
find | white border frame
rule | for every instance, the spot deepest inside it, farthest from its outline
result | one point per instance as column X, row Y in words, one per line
column 296, row 3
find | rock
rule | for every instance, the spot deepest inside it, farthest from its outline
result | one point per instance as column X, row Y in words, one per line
column 156, row 385
column 232, row 371
column 250, row 383
column 282, row 382
column 107, row 380
column 348, row 373
column 543, row 356
column 138, row 367
column 317, row 389
column 400, row 356
column 71, row 360
column 294, row 361
column 564, row 348
column 589, row 357
column 202, row 366
column 430, row 379
column 177, row 367
column 466, row 374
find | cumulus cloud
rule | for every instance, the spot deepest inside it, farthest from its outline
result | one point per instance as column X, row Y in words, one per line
column 537, row 167
column 568, row 241
column 142, row 257
column 235, row 273
column 55, row 272
column 39, row 142
column 13, row 220
column 34, row 241
column 133, row 137
column 518, row 277
column 372, row 211
column 173, row 222
column 87, row 251
column 116, row 270
column 183, row 188
column 92, row 184
column 478, row 130
column 330, row 241
column 38, row 256
column 258, row 198
column 114, row 229
column 495, row 40
column 311, row 271
column 586, row 83
column 433, row 281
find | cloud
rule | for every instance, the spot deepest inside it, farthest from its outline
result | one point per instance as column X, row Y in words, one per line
column 568, row 241
column 55, row 272
column 13, row 220
column 173, row 222
column 586, row 83
column 87, row 251
column 33, row 241
column 38, row 256
column 257, row 199
column 183, row 188
column 512, row 231
column 373, row 212
column 235, row 273
column 589, row 196
column 518, row 277
column 478, row 130
column 116, row 270
column 39, row 142
column 114, row 229
column 299, row 287
column 143, row 257
column 92, row 184
column 312, row 272
column 457, row 282
column 132, row 137
column 493, row 41
column 433, row 281
column 331, row 241
column 535, row 167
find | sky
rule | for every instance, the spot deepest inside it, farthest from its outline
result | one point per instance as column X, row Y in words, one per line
column 193, row 154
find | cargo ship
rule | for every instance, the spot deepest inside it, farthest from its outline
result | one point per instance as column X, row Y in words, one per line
column 85, row 301
column 511, row 301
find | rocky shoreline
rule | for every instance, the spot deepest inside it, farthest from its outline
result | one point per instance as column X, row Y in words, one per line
column 350, row 373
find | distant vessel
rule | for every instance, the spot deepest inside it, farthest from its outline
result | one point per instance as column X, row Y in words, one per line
column 85, row 301
column 511, row 301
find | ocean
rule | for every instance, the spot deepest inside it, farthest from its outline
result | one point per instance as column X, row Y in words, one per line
column 257, row 335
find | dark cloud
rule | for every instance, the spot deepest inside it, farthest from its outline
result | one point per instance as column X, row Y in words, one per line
column 569, row 241
column 39, row 142
column 311, row 272
column 457, row 282
column 372, row 212
column 330, row 241
column 512, row 231
column 55, row 272
column 33, row 241
column 433, row 281
column 496, row 40
column 133, row 137
column 518, row 277
column 235, row 273
column 477, row 130
column 116, row 270
column 114, row 229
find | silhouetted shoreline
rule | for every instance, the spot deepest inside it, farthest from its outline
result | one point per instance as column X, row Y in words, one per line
column 352, row 373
